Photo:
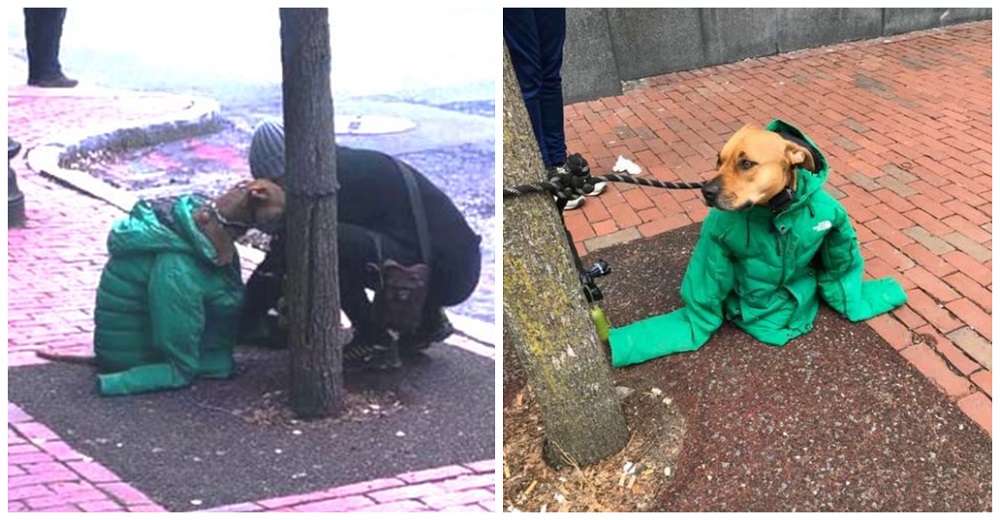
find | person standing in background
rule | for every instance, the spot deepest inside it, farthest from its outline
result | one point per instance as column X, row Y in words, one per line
column 42, row 34
column 535, row 39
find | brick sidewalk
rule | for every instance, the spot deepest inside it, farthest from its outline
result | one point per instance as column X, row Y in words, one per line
column 906, row 123
column 54, row 265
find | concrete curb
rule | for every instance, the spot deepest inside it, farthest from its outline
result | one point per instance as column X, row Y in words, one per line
column 201, row 117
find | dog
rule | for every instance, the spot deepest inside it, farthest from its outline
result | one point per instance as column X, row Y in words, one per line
column 755, row 166
column 773, row 243
column 170, row 294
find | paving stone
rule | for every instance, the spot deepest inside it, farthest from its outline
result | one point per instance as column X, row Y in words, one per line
column 968, row 246
column 471, row 496
column 429, row 475
column 336, row 505
column 405, row 492
column 955, row 356
column 618, row 237
column 932, row 366
column 984, row 380
column 980, row 408
column 974, row 345
column 935, row 244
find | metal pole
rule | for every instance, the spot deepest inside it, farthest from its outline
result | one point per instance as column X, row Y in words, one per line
column 15, row 199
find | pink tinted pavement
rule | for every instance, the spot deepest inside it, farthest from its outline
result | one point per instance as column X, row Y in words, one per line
column 906, row 122
column 54, row 265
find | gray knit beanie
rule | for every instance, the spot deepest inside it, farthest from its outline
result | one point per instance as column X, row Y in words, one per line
column 267, row 151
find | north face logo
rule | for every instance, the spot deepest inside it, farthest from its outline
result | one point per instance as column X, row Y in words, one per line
column 823, row 226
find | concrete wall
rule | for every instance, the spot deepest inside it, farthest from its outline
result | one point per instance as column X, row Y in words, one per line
column 605, row 47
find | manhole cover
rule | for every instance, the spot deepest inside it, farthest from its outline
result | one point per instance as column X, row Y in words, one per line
column 371, row 125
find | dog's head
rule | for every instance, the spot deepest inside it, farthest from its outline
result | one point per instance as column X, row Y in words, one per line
column 259, row 203
column 754, row 166
column 250, row 204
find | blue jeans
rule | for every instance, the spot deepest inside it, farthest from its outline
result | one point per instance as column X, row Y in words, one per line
column 535, row 38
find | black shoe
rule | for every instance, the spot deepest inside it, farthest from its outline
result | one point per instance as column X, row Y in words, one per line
column 439, row 325
column 360, row 355
column 59, row 81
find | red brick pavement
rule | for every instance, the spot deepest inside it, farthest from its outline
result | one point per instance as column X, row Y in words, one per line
column 906, row 123
column 54, row 266
column 45, row 474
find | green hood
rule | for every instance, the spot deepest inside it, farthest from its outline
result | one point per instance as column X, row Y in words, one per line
column 143, row 232
column 808, row 182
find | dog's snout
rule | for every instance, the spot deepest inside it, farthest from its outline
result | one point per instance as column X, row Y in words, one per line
column 710, row 190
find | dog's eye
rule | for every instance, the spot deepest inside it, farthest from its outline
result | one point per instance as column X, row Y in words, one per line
column 746, row 164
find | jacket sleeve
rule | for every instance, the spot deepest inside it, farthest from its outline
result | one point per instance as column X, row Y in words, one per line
column 707, row 282
column 840, row 272
column 177, row 315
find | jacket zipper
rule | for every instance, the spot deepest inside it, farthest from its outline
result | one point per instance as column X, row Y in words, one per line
column 748, row 230
column 779, row 238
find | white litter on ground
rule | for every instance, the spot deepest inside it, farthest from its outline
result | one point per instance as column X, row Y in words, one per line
column 625, row 165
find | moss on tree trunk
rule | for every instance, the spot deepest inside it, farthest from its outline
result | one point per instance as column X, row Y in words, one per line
column 546, row 318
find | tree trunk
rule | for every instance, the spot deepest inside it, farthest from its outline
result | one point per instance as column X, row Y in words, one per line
column 546, row 317
column 312, row 292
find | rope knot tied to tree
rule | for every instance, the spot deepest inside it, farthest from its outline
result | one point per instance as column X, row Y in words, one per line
column 574, row 180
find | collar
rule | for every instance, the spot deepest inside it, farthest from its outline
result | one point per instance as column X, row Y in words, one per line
column 782, row 200
column 213, row 210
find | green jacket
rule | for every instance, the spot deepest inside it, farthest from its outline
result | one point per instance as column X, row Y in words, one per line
column 165, row 312
column 765, row 272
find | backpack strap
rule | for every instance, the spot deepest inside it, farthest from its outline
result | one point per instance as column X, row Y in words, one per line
column 419, row 214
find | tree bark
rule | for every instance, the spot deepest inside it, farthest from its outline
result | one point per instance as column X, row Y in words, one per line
column 312, row 292
column 546, row 317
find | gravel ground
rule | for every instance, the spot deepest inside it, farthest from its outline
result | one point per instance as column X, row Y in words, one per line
column 230, row 441
column 834, row 421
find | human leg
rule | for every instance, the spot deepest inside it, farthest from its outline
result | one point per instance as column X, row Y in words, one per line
column 551, row 30
column 43, row 32
column 520, row 33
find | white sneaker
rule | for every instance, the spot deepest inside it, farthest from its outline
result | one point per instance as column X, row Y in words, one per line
column 575, row 203
column 598, row 188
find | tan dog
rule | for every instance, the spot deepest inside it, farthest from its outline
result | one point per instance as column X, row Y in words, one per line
column 250, row 204
column 754, row 166
column 257, row 204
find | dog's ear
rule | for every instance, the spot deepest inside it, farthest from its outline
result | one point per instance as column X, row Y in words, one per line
column 261, row 191
column 258, row 193
column 799, row 156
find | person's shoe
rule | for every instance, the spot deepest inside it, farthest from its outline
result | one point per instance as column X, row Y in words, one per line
column 442, row 328
column 60, row 81
column 360, row 355
column 598, row 188
column 574, row 203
